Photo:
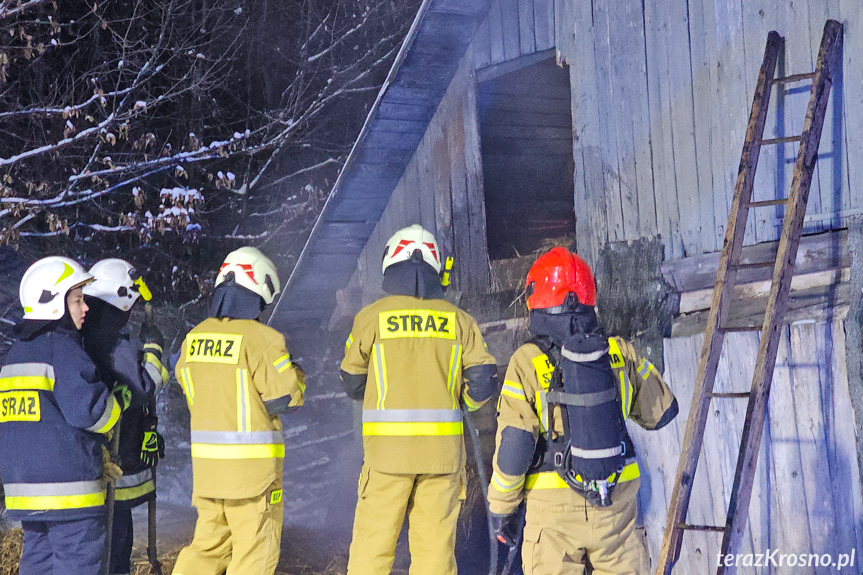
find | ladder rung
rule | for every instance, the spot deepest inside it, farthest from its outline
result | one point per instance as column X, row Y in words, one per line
column 755, row 266
column 733, row 329
column 780, row 202
column 781, row 140
column 740, row 395
column 794, row 78
column 716, row 528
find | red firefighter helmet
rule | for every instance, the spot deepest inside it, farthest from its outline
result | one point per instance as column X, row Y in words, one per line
column 554, row 275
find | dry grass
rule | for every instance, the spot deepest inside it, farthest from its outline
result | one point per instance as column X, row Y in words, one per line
column 11, row 541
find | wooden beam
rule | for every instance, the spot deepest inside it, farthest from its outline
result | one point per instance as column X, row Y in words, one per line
column 498, row 70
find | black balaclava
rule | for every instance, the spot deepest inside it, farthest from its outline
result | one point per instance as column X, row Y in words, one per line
column 102, row 325
column 577, row 328
column 414, row 278
column 233, row 301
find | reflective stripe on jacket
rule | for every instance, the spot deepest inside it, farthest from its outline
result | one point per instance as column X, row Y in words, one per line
column 54, row 411
column 237, row 376
column 414, row 353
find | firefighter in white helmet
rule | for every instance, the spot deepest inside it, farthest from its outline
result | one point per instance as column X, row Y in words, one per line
column 54, row 414
column 414, row 360
column 238, row 378
column 136, row 370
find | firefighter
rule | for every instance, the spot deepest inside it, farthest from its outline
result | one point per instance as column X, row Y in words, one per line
column 238, row 377
column 428, row 359
column 561, row 442
column 126, row 368
column 54, row 414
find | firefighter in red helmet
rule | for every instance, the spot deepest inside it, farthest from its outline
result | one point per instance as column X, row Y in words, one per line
column 562, row 443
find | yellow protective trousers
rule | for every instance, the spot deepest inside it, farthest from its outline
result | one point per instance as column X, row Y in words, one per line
column 242, row 536
column 563, row 534
column 431, row 504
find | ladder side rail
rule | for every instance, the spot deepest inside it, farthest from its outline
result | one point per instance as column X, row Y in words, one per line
column 722, row 295
column 779, row 294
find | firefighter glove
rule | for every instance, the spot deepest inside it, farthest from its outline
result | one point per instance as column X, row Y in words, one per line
column 123, row 395
column 505, row 528
column 110, row 470
column 152, row 448
column 151, row 337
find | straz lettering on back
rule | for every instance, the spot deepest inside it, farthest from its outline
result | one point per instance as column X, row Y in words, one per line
column 417, row 323
column 213, row 348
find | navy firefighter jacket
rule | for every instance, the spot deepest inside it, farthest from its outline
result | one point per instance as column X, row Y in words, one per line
column 54, row 412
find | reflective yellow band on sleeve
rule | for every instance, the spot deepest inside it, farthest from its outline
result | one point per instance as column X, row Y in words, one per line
column 408, row 429
column 129, row 493
column 283, row 363
column 502, row 485
column 109, row 418
column 513, row 389
column 469, row 402
column 645, row 368
column 348, row 342
column 207, row 451
column 153, row 360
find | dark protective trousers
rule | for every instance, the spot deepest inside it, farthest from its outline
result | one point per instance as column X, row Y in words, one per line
column 63, row 547
column 121, row 541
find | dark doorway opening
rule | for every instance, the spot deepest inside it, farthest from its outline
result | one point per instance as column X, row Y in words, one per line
column 526, row 135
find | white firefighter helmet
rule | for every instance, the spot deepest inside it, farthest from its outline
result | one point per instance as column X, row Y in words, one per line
column 252, row 270
column 402, row 245
column 116, row 283
column 45, row 284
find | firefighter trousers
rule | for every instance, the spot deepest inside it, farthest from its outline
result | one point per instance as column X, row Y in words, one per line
column 563, row 534
column 64, row 547
column 235, row 536
column 431, row 504
column 122, row 536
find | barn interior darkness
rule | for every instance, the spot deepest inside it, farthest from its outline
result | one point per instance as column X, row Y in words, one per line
column 526, row 137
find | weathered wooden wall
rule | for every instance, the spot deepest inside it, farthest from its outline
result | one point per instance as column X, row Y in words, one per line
column 806, row 497
column 661, row 97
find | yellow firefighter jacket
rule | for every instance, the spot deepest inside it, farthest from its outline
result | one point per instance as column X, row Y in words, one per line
column 644, row 397
column 418, row 350
column 237, row 376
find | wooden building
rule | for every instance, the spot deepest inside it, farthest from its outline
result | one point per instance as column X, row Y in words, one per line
column 505, row 124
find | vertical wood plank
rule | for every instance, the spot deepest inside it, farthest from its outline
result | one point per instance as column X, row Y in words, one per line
column 441, row 179
column 478, row 251
column 683, row 125
column 665, row 186
column 495, row 32
column 511, row 41
column 789, row 515
column 842, row 445
column 543, row 19
column 455, row 134
column 830, row 162
column 809, row 413
column 852, row 95
column 576, row 35
column 704, row 142
column 759, row 19
column 606, row 85
column 426, row 184
column 480, row 47
column 526, row 27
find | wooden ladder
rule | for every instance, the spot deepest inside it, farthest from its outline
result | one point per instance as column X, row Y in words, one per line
column 729, row 264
